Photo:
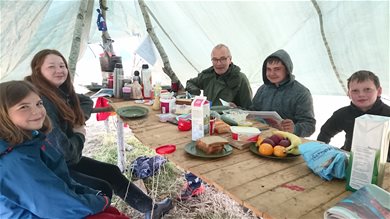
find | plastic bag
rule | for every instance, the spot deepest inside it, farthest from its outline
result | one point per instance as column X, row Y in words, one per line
column 143, row 167
column 324, row 160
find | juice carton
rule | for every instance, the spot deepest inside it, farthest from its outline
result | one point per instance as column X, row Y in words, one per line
column 370, row 145
column 200, row 116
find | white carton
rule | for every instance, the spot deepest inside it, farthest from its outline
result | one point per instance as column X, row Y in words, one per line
column 370, row 145
column 200, row 117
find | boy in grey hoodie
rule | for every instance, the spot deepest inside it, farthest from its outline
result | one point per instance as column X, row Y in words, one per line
column 283, row 94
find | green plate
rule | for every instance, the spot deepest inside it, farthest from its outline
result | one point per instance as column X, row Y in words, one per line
column 254, row 149
column 191, row 149
column 132, row 111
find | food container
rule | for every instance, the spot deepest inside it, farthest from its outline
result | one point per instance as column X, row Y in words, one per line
column 240, row 133
column 167, row 105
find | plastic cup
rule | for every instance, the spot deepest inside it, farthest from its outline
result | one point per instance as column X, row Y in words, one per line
column 212, row 124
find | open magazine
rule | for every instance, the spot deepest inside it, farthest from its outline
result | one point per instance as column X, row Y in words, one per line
column 270, row 117
column 369, row 201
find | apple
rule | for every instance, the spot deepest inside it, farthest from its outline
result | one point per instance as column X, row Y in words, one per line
column 269, row 141
column 285, row 143
column 276, row 139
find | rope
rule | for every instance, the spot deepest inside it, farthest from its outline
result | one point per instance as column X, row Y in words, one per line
column 328, row 50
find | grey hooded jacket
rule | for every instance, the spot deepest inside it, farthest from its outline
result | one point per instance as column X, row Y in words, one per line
column 290, row 99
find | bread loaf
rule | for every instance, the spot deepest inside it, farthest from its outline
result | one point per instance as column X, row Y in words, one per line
column 211, row 144
column 221, row 127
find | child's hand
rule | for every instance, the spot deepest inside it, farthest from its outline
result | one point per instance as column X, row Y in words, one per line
column 80, row 129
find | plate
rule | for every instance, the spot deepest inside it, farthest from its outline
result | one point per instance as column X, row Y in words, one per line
column 191, row 149
column 166, row 149
column 94, row 88
column 132, row 111
column 220, row 109
column 253, row 148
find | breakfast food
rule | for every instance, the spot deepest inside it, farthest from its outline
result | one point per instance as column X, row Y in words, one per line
column 282, row 143
column 211, row 144
column 221, row 127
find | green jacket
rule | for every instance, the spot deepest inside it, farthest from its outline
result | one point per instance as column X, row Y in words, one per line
column 233, row 86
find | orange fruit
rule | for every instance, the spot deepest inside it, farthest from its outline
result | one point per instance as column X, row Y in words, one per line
column 280, row 151
column 266, row 149
column 259, row 141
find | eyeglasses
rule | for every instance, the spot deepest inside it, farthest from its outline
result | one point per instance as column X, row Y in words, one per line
column 221, row 60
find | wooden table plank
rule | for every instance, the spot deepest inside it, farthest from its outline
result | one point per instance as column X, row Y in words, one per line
column 270, row 188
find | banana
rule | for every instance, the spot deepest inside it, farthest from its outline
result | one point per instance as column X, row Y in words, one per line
column 295, row 141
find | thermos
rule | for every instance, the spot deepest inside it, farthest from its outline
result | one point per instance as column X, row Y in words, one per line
column 118, row 80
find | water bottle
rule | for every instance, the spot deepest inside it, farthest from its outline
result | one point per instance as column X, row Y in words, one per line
column 118, row 80
column 147, row 81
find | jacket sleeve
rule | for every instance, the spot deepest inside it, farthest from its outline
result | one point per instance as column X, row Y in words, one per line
column 34, row 186
column 69, row 143
column 86, row 105
column 329, row 129
column 244, row 96
column 305, row 122
column 193, row 85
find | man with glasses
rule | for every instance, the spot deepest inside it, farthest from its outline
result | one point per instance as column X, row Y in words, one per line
column 285, row 95
column 224, row 80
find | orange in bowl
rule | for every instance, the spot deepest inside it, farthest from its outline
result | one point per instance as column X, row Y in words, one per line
column 266, row 149
column 280, row 151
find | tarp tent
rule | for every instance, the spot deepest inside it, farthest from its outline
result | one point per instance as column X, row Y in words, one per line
column 327, row 40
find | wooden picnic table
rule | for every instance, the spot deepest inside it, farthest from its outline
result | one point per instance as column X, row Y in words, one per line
column 271, row 188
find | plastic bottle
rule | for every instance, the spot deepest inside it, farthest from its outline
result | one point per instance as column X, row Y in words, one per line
column 157, row 91
column 146, row 81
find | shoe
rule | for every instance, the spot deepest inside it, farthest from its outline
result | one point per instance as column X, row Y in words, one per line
column 160, row 209
column 189, row 192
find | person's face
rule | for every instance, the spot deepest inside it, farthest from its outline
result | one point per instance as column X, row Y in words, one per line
column 276, row 72
column 29, row 113
column 363, row 94
column 54, row 70
column 221, row 60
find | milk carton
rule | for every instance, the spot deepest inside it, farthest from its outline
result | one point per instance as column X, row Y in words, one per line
column 370, row 145
column 200, row 117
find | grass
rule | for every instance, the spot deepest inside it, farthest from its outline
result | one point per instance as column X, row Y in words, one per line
column 101, row 145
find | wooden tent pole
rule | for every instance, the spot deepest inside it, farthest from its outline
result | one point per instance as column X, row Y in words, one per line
column 106, row 38
column 149, row 28
column 77, row 38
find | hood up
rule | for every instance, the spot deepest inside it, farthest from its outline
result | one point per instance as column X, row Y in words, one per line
column 285, row 57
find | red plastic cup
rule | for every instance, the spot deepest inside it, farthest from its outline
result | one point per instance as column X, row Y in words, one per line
column 212, row 124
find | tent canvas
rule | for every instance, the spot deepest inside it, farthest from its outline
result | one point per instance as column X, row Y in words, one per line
column 356, row 34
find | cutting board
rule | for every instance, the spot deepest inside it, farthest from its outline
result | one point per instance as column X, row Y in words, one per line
column 239, row 144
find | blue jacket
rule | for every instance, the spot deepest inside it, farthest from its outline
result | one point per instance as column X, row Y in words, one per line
column 291, row 100
column 35, row 183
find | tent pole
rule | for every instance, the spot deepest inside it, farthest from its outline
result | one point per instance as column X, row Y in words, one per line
column 77, row 37
column 149, row 28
